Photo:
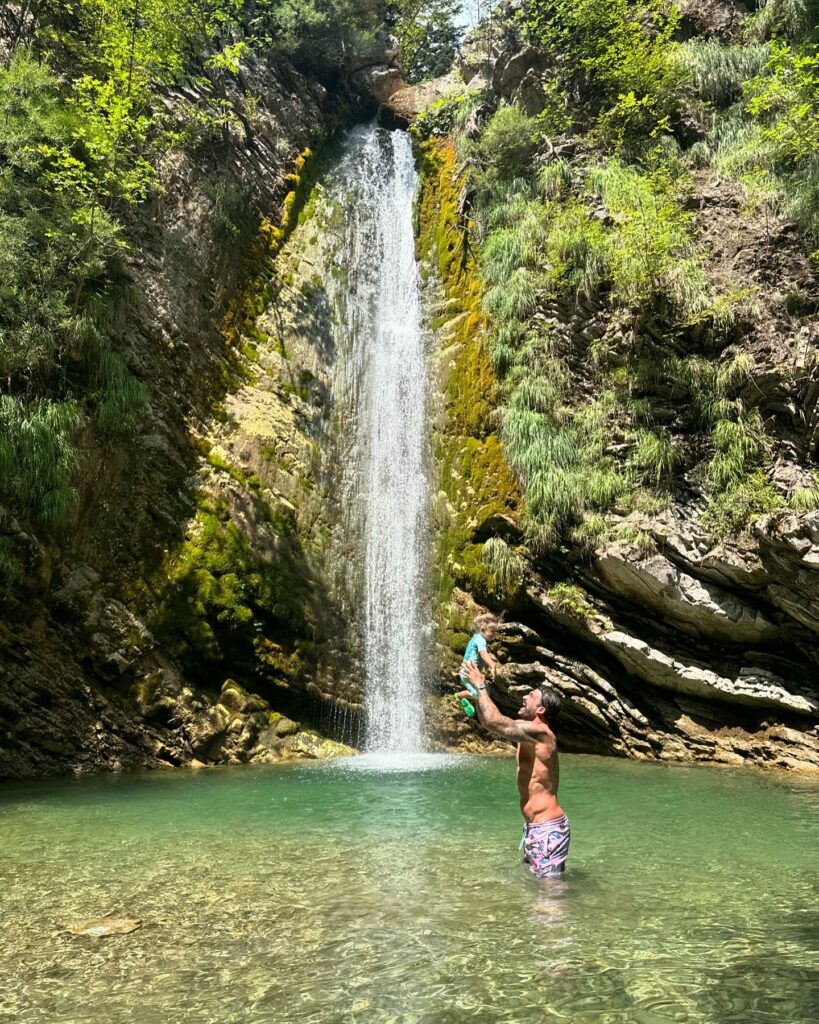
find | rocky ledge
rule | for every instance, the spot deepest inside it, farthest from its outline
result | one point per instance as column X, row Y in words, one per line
column 687, row 652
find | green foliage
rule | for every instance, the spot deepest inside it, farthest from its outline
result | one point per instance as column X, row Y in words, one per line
column 656, row 454
column 785, row 99
column 719, row 71
column 38, row 458
column 707, row 389
column 653, row 254
column 428, row 35
column 805, row 499
column 770, row 141
column 505, row 566
column 55, row 240
column 507, row 143
column 618, row 54
column 559, row 452
column 577, row 250
column 646, row 252
column 568, row 597
column 120, row 398
column 316, row 35
column 58, row 246
column 439, row 117
column 789, row 18
column 734, row 509
column 555, row 178
column 613, row 225
column 739, row 445
column 120, row 50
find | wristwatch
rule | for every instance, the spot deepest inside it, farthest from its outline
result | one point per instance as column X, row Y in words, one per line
column 479, row 688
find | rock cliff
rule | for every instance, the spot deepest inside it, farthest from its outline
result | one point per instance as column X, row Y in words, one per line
column 666, row 635
column 199, row 610
column 194, row 554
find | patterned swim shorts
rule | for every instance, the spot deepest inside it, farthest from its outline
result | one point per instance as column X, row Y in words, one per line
column 546, row 846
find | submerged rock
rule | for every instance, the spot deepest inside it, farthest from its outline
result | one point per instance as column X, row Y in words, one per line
column 101, row 927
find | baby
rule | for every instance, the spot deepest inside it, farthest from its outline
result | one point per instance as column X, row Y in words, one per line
column 476, row 651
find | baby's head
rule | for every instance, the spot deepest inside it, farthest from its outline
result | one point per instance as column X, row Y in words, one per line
column 485, row 624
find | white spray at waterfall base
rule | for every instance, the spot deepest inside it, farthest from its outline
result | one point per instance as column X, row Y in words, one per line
column 382, row 375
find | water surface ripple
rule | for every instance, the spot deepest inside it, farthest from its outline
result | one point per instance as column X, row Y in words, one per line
column 322, row 893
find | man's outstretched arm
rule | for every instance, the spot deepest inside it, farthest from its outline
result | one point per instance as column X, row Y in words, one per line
column 489, row 715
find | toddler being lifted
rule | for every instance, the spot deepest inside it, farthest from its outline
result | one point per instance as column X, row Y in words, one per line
column 476, row 651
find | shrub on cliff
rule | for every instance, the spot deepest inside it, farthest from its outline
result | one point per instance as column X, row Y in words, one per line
column 58, row 239
column 617, row 57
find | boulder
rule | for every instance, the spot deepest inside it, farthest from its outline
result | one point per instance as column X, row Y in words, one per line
column 206, row 733
column 789, row 550
column 102, row 927
column 511, row 70
column 310, row 744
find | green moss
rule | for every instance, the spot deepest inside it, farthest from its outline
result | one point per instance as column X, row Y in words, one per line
column 259, row 284
column 249, row 351
column 474, row 478
column 219, row 600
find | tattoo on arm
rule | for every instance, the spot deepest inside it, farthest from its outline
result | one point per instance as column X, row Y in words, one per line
column 500, row 725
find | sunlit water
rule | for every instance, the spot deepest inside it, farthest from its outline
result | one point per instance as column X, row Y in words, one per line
column 344, row 892
column 381, row 386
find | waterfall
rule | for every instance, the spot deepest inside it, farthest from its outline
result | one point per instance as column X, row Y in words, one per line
column 381, row 388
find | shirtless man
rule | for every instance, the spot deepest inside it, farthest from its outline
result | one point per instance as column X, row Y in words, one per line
column 546, row 833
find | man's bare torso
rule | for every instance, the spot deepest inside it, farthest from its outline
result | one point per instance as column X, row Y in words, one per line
column 538, row 778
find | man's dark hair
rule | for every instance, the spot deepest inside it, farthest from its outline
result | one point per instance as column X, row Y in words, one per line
column 550, row 701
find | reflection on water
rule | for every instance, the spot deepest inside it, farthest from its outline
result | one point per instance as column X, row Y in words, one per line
column 322, row 893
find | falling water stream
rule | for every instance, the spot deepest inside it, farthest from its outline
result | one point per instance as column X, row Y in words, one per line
column 381, row 383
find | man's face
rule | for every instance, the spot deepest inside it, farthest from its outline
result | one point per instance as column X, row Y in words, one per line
column 532, row 704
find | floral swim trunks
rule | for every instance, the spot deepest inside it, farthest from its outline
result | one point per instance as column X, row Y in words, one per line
column 545, row 847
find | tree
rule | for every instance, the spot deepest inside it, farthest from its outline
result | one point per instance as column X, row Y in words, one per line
column 428, row 34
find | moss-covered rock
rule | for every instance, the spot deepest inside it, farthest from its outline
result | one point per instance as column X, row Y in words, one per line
column 475, row 483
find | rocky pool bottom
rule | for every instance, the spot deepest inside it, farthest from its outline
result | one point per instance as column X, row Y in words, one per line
column 364, row 892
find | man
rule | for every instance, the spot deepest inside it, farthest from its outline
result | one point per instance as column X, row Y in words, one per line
column 546, row 833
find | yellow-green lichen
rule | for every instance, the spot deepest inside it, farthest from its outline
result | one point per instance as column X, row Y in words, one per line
column 255, row 292
column 474, row 478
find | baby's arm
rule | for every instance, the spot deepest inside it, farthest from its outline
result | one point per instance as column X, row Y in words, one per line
column 489, row 661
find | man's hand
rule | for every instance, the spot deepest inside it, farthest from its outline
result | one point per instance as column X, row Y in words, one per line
column 473, row 673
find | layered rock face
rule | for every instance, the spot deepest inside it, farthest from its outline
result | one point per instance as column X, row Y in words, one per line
column 192, row 556
column 664, row 639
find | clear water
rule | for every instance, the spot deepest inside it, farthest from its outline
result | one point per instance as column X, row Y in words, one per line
column 381, row 385
column 380, row 892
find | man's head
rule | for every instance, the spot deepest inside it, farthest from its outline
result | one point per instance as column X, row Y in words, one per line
column 540, row 703
column 485, row 624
